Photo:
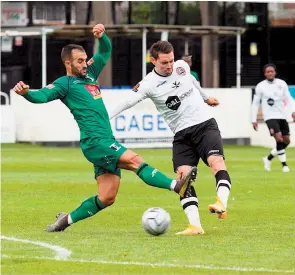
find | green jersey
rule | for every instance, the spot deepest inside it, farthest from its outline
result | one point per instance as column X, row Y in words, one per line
column 82, row 95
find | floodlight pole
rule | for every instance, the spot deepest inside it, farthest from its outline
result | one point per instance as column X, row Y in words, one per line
column 44, row 65
column 238, row 81
column 144, row 47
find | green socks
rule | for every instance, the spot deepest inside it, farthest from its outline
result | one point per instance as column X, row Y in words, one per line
column 87, row 209
column 153, row 177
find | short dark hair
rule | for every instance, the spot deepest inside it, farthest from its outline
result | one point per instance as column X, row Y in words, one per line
column 160, row 47
column 66, row 51
column 269, row 65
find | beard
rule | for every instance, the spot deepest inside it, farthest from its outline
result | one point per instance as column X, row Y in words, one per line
column 79, row 73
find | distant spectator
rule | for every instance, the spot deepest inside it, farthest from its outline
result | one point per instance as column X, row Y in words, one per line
column 188, row 60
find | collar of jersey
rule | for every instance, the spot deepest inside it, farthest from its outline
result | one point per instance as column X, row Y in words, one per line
column 271, row 82
column 160, row 74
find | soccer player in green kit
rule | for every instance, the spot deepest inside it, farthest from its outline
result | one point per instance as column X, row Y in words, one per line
column 79, row 91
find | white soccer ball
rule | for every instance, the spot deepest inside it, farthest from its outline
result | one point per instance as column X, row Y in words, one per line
column 156, row 221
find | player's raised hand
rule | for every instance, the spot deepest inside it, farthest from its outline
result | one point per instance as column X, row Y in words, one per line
column 293, row 116
column 255, row 126
column 212, row 101
column 98, row 30
column 21, row 88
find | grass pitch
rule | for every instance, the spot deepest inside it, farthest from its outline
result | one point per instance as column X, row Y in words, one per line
column 37, row 182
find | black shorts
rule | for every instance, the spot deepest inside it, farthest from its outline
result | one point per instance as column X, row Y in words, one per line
column 278, row 126
column 198, row 141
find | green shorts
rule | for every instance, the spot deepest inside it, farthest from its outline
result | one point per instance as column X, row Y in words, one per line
column 104, row 154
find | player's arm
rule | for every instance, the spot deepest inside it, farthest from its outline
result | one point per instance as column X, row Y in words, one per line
column 289, row 99
column 140, row 92
column 101, row 57
column 211, row 101
column 255, row 106
column 44, row 95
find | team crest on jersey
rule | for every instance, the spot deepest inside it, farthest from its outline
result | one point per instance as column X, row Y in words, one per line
column 93, row 90
column 180, row 71
column 90, row 61
column 50, row 86
column 135, row 88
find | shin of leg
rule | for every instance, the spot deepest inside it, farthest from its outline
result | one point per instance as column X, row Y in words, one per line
column 182, row 171
column 130, row 161
column 216, row 163
column 223, row 182
column 133, row 162
column 108, row 186
column 280, row 141
column 189, row 203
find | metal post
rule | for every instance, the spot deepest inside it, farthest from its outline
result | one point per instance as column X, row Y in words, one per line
column 238, row 84
column 185, row 47
column 44, row 66
column 144, row 31
column 164, row 35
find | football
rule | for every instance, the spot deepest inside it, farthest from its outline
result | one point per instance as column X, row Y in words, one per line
column 156, row 221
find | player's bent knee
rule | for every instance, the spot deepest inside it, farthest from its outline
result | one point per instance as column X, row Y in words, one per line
column 216, row 163
column 286, row 140
column 279, row 138
column 107, row 199
column 130, row 161
column 108, row 186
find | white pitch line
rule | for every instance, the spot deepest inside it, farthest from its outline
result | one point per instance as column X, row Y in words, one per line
column 153, row 265
column 61, row 253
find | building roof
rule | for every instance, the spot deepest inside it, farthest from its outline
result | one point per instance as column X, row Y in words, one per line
column 117, row 30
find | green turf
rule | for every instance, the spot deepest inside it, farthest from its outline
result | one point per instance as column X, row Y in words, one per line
column 37, row 182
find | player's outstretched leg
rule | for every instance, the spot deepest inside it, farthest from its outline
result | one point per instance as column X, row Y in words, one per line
column 129, row 160
column 153, row 177
column 108, row 185
column 87, row 209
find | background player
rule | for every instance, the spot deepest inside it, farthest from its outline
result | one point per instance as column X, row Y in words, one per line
column 272, row 92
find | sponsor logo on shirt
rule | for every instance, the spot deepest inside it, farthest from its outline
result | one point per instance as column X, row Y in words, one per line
column 175, row 85
column 180, row 71
column 50, row 86
column 173, row 102
column 93, row 90
column 90, row 61
column 160, row 84
column 270, row 102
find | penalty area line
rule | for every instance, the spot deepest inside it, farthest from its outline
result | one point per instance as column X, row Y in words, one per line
column 60, row 252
